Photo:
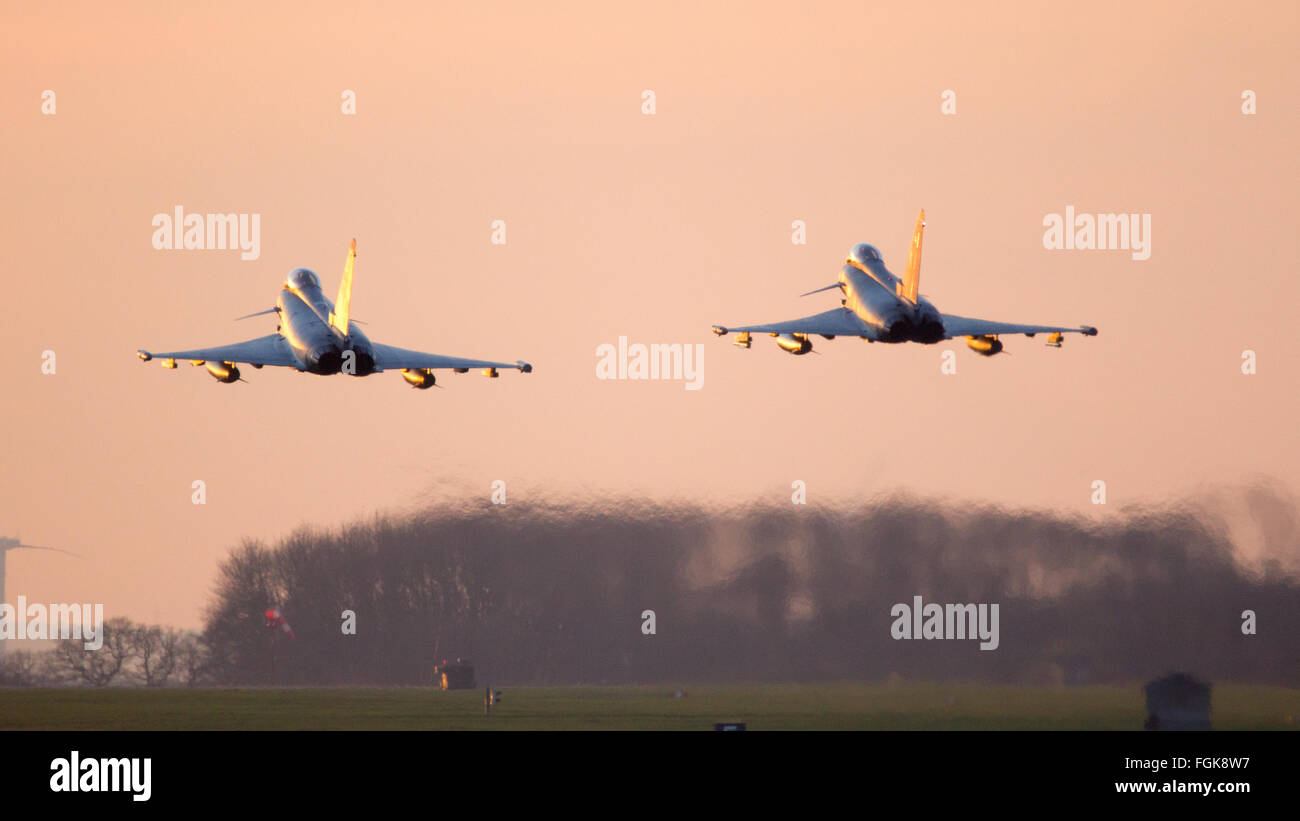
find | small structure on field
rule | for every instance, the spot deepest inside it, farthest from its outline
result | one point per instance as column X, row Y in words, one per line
column 458, row 676
column 1178, row 702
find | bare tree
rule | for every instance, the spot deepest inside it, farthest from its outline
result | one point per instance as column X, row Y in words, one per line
column 156, row 650
column 21, row 668
column 53, row 673
column 191, row 659
column 99, row 667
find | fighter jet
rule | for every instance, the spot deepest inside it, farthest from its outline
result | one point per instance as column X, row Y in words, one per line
column 880, row 307
column 317, row 336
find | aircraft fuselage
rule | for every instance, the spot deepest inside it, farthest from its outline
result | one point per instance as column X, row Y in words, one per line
column 873, row 293
column 319, row 346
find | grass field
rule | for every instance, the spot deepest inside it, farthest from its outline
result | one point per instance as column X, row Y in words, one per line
column 763, row 707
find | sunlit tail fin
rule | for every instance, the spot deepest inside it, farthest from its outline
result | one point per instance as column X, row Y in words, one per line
column 343, row 305
column 912, row 276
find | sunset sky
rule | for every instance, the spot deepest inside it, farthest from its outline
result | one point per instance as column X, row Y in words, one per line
column 620, row 223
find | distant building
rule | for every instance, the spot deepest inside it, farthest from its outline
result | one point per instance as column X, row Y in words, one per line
column 1178, row 702
column 458, row 676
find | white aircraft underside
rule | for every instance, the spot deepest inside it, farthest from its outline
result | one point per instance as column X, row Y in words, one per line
column 880, row 307
column 317, row 336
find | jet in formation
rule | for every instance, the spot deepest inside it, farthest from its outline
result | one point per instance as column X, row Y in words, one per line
column 317, row 336
column 879, row 307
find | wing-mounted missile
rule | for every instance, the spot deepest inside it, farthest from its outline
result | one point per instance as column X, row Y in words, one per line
column 742, row 338
column 491, row 373
column 1054, row 339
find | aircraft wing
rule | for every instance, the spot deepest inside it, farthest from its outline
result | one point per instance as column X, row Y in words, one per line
column 388, row 358
column 835, row 322
column 265, row 350
column 964, row 326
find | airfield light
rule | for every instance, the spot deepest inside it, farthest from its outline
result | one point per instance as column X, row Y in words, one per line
column 490, row 697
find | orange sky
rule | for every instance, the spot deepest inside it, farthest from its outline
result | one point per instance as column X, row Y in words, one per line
column 621, row 224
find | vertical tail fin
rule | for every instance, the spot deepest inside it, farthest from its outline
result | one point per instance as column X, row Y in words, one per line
column 912, row 276
column 343, row 305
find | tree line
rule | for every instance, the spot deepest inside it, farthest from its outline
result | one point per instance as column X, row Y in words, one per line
column 132, row 654
column 625, row 592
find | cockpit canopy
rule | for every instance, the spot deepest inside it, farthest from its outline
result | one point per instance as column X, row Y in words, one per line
column 864, row 251
column 303, row 278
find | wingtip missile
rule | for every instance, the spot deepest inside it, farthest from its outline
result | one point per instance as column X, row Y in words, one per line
column 145, row 356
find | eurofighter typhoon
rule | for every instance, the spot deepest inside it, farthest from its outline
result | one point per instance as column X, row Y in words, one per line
column 317, row 336
column 880, row 307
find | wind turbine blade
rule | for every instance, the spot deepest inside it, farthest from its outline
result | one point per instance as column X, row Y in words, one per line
column 55, row 549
